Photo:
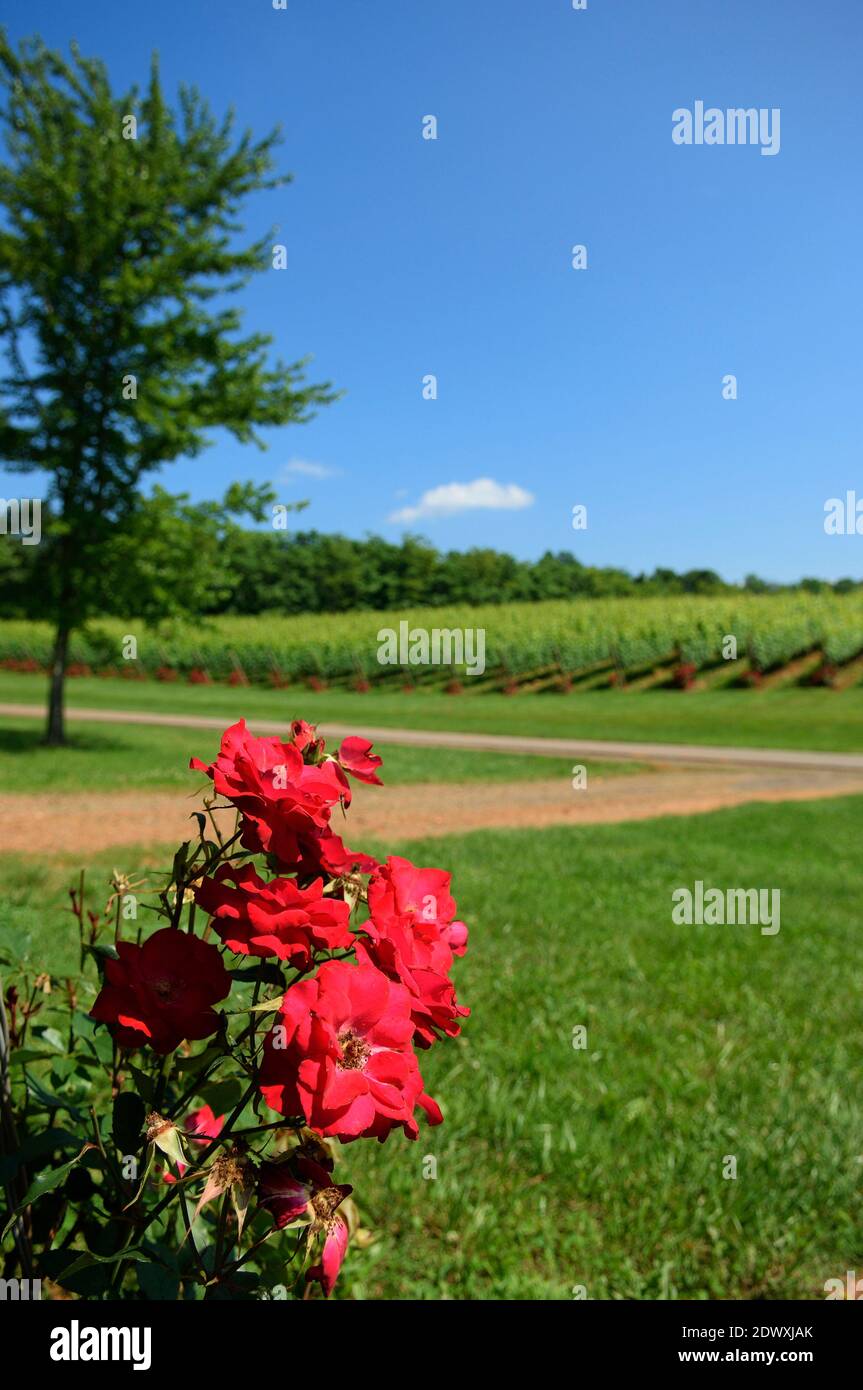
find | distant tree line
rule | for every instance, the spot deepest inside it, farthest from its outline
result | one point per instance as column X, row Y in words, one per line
column 257, row 571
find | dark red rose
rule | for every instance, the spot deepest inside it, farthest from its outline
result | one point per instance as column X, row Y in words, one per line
column 157, row 994
column 296, row 1188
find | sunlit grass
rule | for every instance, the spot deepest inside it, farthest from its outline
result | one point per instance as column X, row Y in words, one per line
column 107, row 757
column 790, row 718
column 602, row 1167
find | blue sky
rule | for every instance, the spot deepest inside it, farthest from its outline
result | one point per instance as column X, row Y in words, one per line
column 601, row 387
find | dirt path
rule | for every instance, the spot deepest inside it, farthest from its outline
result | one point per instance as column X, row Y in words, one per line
column 73, row 823
column 675, row 753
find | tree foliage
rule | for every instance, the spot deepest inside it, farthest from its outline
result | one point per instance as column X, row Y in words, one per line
column 120, row 252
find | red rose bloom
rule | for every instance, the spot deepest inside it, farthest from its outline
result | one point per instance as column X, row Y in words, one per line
column 278, row 918
column 296, row 1187
column 412, row 938
column 157, row 994
column 340, row 1054
column 328, row 853
column 401, row 891
column 286, row 1185
column 305, row 738
column 285, row 803
column 423, row 968
column 357, row 758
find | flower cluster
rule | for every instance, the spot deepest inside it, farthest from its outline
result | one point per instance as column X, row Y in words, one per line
column 286, row 794
column 362, row 953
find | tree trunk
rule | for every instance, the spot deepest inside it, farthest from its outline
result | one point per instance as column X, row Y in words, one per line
column 55, row 732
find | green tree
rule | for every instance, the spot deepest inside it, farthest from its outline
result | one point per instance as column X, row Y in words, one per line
column 119, row 253
column 753, row 584
column 169, row 561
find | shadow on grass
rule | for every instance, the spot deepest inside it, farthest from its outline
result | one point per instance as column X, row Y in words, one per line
column 21, row 741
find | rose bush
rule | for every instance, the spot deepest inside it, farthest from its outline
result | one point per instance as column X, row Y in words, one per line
column 175, row 1135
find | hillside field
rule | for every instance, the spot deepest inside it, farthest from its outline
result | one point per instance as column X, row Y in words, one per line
column 561, row 645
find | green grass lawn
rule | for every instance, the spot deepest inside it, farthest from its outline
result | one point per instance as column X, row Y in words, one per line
column 817, row 719
column 103, row 757
column 559, row 1167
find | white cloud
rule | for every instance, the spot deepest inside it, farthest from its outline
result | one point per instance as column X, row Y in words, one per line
column 306, row 469
column 451, row 498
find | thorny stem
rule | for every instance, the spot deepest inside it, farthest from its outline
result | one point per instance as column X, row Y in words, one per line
column 162, row 1082
column 195, row 1086
column 229, row 1269
column 194, row 872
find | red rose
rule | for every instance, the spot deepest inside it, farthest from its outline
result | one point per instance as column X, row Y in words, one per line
column 305, row 738
column 286, row 1185
column 278, row 918
column 296, row 1187
column 423, row 968
column 412, row 939
column 336, row 1236
column 340, row 1054
column 401, row 891
column 330, row 853
column 162, row 992
column 357, row 758
column 285, row 803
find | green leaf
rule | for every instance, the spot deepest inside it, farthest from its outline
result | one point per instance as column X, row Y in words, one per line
column 94, row 1282
column 47, row 1098
column 128, row 1122
column 269, row 1006
column 101, row 953
column 143, row 1083
column 36, row 1146
column 22, row 1055
column 52, row 1038
column 102, row 1047
column 45, row 1182
column 88, row 1259
column 62, row 1068
column 223, row 1095
column 202, row 1060
column 156, row 1283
